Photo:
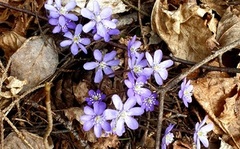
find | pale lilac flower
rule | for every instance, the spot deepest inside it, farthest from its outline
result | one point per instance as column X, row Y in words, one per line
column 158, row 68
column 97, row 96
column 110, row 32
column 186, row 92
column 100, row 19
column 133, row 47
column 102, row 64
column 61, row 26
column 59, row 15
column 136, row 64
column 75, row 40
column 95, row 118
column 168, row 137
column 149, row 102
column 136, row 88
column 200, row 134
column 123, row 114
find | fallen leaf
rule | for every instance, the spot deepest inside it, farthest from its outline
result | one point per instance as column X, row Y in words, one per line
column 73, row 113
column 12, row 141
column 34, row 61
column 80, row 91
column 184, row 30
column 220, row 6
column 107, row 142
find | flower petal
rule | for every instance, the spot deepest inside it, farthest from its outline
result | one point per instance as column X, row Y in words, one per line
column 109, row 24
column 78, row 29
column 110, row 114
column 97, row 55
column 108, row 71
column 99, row 107
column 113, row 63
column 204, row 141
column 97, row 130
column 117, row 102
column 74, row 49
column 157, row 56
column 90, row 65
column 87, row 13
column 131, row 122
column 158, row 79
column 70, row 5
column 89, row 26
column 65, row 43
column 136, row 111
column 96, row 8
column 89, row 111
column 85, row 118
column 149, row 58
column 106, row 13
column 98, row 76
column 109, row 56
column 87, row 125
column 120, row 129
column 106, row 126
column 129, row 104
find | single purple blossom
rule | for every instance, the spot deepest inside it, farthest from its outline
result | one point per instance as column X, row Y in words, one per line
column 61, row 26
column 137, row 64
column 75, row 40
column 123, row 114
column 136, row 88
column 186, row 92
column 200, row 134
column 133, row 47
column 99, row 19
column 110, row 32
column 97, row 96
column 149, row 102
column 59, row 15
column 95, row 118
column 158, row 68
column 168, row 137
column 102, row 64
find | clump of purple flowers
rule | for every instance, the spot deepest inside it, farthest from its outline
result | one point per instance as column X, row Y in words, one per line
column 104, row 63
column 168, row 137
column 123, row 114
column 76, row 41
column 149, row 102
column 100, row 22
column 185, row 92
column 60, row 16
column 200, row 134
column 94, row 97
column 95, row 118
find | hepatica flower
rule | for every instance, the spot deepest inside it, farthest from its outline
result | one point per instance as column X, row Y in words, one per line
column 61, row 25
column 149, row 102
column 95, row 118
column 133, row 47
column 185, row 92
column 75, row 40
column 200, row 134
column 123, row 114
column 158, row 68
column 100, row 19
column 102, row 64
column 59, row 15
column 94, row 97
column 136, row 65
column 136, row 88
column 168, row 137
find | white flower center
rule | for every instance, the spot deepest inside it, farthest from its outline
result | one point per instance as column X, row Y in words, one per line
column 76, row 38
column 138, row 87
column 137, row 69
column 63, row 10
column 157, row 68
column 98, row 18
column 102, row 65
column 169, row 138
column 202, row 133
column 98, row 119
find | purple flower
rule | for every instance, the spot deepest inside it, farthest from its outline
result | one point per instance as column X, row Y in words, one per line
column 100, row 19
column 168, row 137
column 110, row 32
column 136, row 89
column 97, row 96
column 61, row 25
column 102, row 64
column 149, row 102
column 186, row 92
column 59, row 15
column 136, row 65
column 133, row 47
column 95, row 118
column 123, row 114
column 200, row 133
column 158, row 68
column 75, row 40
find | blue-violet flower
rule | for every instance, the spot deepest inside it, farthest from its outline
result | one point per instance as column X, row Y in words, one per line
column 123, row 114
column 200, row 134
column 149, row 102
column 102, row 64
column 75, row 40
column 97, row 96
column 95, row 118
column 185, row 92
column 136, row 88
column 61, row 25
column 136, row 64
column 101, row 19
column 133, row 47
column 168, row 137
column 158, row 68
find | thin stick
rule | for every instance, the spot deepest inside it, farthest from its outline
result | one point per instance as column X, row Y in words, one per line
column 179, row 78
column 49, row 114
column 134, row 7
column 1, row 131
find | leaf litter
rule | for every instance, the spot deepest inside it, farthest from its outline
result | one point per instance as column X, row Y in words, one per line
column 188, row 30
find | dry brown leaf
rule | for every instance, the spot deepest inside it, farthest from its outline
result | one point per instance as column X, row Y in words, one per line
column 178, row 144
column 219, row 97
column 12, row 141
column 73, row 113
column 220, row 6
column 107, row 142
column 10, row 41
column 34, row 61
column 228, row 27
column 80, row 91
column 184, row 30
